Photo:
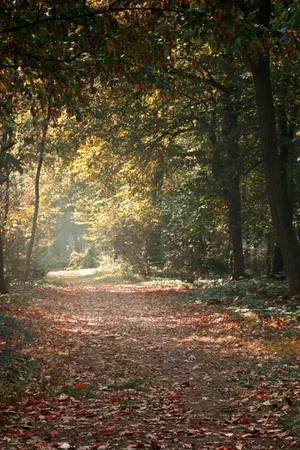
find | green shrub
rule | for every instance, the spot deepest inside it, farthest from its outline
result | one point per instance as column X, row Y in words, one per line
column 85, row 260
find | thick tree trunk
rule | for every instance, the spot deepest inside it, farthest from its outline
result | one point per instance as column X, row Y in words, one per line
column 277, row 263
column 275, row 180
column 36, row 201
column 287, row 158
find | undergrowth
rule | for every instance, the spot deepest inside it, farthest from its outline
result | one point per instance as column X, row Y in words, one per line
column 15, row 366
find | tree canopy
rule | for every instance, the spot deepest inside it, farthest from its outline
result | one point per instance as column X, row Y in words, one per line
column 163, row 134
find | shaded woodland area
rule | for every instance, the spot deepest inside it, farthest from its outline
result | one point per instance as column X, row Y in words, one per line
column 163, row 135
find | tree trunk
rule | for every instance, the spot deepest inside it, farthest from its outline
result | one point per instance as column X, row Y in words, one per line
column 6, row 207
column 77, row 246
column 233, row 199
column 287, row 158
column 226, row 171
column 284, row 144
column 3, row 285
column 277, row 263
column 154, row 248
column 37, row 200
column 275, row 181
column 233, row 190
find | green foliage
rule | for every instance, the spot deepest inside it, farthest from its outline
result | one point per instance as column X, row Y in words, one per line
column 74, row 392
column 85, row 260
column 291, row 421
column 254, row 292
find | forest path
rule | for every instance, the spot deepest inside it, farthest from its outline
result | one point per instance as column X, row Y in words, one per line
column 124, row 366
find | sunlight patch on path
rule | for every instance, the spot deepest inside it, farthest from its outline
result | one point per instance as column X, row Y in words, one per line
column 72, row 273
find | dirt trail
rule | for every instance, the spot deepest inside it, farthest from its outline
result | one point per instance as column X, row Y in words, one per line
column 124, row 366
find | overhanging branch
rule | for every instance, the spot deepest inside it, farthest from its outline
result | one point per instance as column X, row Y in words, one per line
column 92, row 13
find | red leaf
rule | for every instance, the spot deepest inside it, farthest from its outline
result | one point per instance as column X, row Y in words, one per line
column 52, row 434
column 80, row 385
column 34, row 401
column 115, row 400
column 175, row 396
column 137, row 445
column 20, row 433
column 245, row 421
column 260, row 394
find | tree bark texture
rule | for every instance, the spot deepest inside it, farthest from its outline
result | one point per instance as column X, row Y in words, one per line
column 275, row 180
column 277, row 263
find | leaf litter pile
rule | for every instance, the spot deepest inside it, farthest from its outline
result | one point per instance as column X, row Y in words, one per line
column 125, row 366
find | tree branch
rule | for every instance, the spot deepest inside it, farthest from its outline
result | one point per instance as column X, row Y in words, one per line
column 93, row 13
column 207, row 80
column 180, row 130
column 39, row 57
column 254, row 166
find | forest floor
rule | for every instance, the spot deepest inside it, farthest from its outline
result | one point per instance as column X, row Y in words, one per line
column 125, row 365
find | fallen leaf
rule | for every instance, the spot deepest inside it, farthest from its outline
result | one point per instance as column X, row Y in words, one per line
column 52, row 434
column 80, row 385
column 245, row 421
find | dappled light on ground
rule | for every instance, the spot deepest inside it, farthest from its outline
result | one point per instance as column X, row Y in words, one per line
column 122, row 366
column 72, row 273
